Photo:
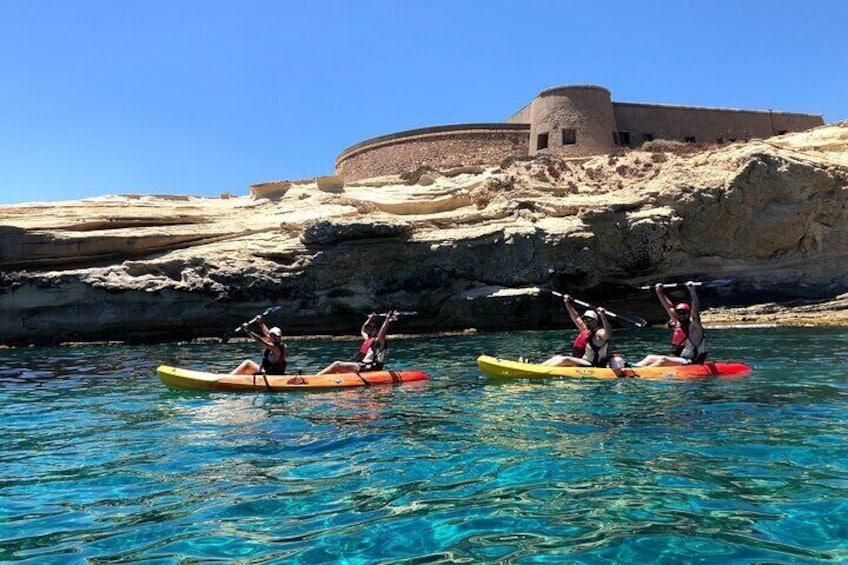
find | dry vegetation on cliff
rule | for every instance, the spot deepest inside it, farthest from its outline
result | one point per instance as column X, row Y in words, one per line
column 769, row 214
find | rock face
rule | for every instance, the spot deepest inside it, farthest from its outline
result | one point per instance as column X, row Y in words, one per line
column 467, row 250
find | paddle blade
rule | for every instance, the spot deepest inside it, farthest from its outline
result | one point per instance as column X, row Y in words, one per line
column 631, row 321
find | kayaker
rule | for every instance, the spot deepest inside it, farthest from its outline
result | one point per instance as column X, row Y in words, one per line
column 591, row 347
column 372, row 353
column 688, row 342
column 274, row 356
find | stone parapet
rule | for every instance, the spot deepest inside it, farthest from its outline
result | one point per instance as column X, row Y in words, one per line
column 439, row 147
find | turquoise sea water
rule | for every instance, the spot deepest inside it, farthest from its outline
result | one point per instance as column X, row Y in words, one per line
column 100, row 463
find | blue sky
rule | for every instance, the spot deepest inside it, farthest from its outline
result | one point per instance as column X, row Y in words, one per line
column 205, row 97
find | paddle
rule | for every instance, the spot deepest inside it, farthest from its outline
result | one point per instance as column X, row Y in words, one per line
column 399, row 314
column 634, row 321
column 253, row 320
column 708, row 284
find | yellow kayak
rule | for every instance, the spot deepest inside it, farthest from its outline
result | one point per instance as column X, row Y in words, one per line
column 186, row 379
column 505, row 369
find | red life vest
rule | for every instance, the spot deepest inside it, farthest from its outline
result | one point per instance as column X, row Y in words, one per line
column 364, row 348
column 679, row 341
column 679, row 336
column 598, row 358
column 578, row 348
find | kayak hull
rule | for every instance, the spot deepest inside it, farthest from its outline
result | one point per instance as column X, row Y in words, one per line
column 504, row 369
column 185, row 379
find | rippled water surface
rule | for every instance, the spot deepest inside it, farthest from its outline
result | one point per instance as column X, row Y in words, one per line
column 100, row 463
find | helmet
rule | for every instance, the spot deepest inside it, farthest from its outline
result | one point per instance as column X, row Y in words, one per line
column 276, row 331
column 590, row 314
column 683, row 309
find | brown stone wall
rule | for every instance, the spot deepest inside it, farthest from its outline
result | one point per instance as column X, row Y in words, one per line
column 585, row 109
column 705, row 124
column 442, row 149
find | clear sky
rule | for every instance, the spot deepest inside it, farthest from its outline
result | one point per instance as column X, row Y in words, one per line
column 205, row 97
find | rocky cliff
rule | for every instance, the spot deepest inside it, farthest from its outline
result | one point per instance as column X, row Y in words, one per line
column 471, row 247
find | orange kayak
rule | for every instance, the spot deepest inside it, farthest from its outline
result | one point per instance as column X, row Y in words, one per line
column 186, row 379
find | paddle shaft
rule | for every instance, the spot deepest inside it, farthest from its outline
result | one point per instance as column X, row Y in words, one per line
column 259, row 316
column 718, row 282
column 587, row 305
column 399, row 314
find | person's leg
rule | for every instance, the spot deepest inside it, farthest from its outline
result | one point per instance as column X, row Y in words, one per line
column 566, row 361
column 247, row 367
column 660, row 361
column 647, row 361
column 342, row 367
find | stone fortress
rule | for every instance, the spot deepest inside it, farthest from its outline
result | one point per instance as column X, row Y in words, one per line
column 568, row 121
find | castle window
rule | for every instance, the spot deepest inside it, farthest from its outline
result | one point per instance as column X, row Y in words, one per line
column 647, row 137
column 541, row 141
column 781, row 131
column 689, row 139
column 624, row 138
column 719, row 140
column 569, row 137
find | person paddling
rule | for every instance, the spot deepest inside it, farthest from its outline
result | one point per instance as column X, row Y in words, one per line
column 372, row 353
column 591, row 347
column 688, row 342
column 274, row 356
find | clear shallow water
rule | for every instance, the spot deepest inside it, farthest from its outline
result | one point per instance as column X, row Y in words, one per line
column 100, row 463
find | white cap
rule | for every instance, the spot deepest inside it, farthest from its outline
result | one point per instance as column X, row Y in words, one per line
column 590, row 314
column 276, row 331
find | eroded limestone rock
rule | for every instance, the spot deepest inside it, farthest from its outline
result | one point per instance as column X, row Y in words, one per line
column 772, row 216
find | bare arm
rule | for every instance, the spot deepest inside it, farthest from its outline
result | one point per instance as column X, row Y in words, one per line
column 363, row 331
column 258, row 338
column 381, row 336
column 606, row 333
column 695, row 303
column 264, row 329
column 666, row 303
column 575, row 317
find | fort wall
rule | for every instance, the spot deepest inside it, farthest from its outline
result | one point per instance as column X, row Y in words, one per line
column 643, row 122
column 575, row 120
column 439, row 147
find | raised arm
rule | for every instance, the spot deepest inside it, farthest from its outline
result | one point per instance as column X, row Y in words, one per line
column 666, row 303
column 363, row 331
column 575, row 317
column 381, row 336
column 694, row 303
column 266, row 341
column 607, row 329
column 264, row 329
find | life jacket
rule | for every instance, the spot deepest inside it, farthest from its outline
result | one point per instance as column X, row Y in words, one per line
column 273, row 366
column 371, row 354
column 683, row 346
column 596, row 353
